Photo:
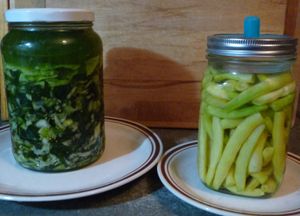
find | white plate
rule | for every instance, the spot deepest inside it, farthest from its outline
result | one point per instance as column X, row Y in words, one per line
column 131, row 150
column 178, row 172
column 3, row 125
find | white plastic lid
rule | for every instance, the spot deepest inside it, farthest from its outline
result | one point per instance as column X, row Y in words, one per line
column 49, row 15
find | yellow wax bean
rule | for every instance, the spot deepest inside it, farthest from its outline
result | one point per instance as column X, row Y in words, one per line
column 229, row 181
column 262, row 77
column 230, row 123
column 270, row 186
column 217, row 91
column 263, row 176
column 251, row 193
column 288, row 120
column 207, row 123
column 279, row 145
column 254, row 183
column 221, row 75
column 270, row 84
column 256, row 160
column 216, row 149
column 207, row 78
column 212, row 100
column 244, row 156
column 267, row 155
column 274, row 95
column 237, row 113
column 233, row 145
column 281, row 103
column 202, row 150
column 269, row 123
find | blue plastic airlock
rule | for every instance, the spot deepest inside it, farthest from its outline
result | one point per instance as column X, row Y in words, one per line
column 251, row 27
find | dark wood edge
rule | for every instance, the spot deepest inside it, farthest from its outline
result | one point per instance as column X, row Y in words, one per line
column 291, row 17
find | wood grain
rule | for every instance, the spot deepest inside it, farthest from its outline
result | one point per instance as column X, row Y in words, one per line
column 26, row 3
column 154, row 51
column 297, row 35
column 176, row 29
column 292, row 28
column 291, row 17
column 3, row 30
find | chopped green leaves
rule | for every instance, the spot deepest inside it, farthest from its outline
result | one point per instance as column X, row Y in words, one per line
column 56, row 114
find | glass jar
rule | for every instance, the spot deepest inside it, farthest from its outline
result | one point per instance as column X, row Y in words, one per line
column 53, row 75
column 247, row 100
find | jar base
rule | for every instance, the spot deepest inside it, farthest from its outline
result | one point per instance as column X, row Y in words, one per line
column 57, row 169
column 249, row 194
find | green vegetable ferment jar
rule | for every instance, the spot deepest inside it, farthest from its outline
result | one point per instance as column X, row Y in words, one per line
column 53, row 75
column 247, row 101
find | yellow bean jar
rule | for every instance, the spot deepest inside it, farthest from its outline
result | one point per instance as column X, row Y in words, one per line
column 248, row 94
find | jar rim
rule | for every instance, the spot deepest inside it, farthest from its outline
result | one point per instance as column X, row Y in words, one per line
column 49, row 15
column 267, row 45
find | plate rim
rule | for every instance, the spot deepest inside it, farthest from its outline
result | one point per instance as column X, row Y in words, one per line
column 148, row 164
column 4, row 126
column 204, row 205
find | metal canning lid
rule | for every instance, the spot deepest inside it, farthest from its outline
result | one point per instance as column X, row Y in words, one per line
column 49, row 15
column 266, row 45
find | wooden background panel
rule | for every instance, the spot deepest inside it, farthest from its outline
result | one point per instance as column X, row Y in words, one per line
column 26, row 3
column 176, row 29
column 296, row 34
column 292, row 27
column 3, row 30
column 155, row 51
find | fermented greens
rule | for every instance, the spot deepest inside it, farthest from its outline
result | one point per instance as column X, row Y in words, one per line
column 55, row 114
column 54, row 87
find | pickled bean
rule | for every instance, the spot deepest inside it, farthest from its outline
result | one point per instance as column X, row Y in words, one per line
column 220, row 76
column 263, row 176
column 202, row 150
column 249, row 161
column 239, row 113
column 219, row 91
column 270, row 186
column 244, row 156
column 256, row 160
column 229, row 181
column 283, row 102
column 237, row 85
column 267, row 155
column 230, row 123
column 216, row 148
column 233, row 145
column 214, row 101
column 272, row 83
column 272, row 96
column 278, row 145
column 207, row 78
column 254, row 183
column 207, row 123
column 251, row 193
column 269, row 123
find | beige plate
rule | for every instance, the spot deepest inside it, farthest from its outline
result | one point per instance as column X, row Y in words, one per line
column 178, row 172
column 131, row 150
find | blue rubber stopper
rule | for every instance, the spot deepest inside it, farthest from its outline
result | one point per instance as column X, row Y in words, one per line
column 251, row 27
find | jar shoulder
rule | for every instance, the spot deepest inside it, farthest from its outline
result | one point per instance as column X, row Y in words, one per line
column 51, row 42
